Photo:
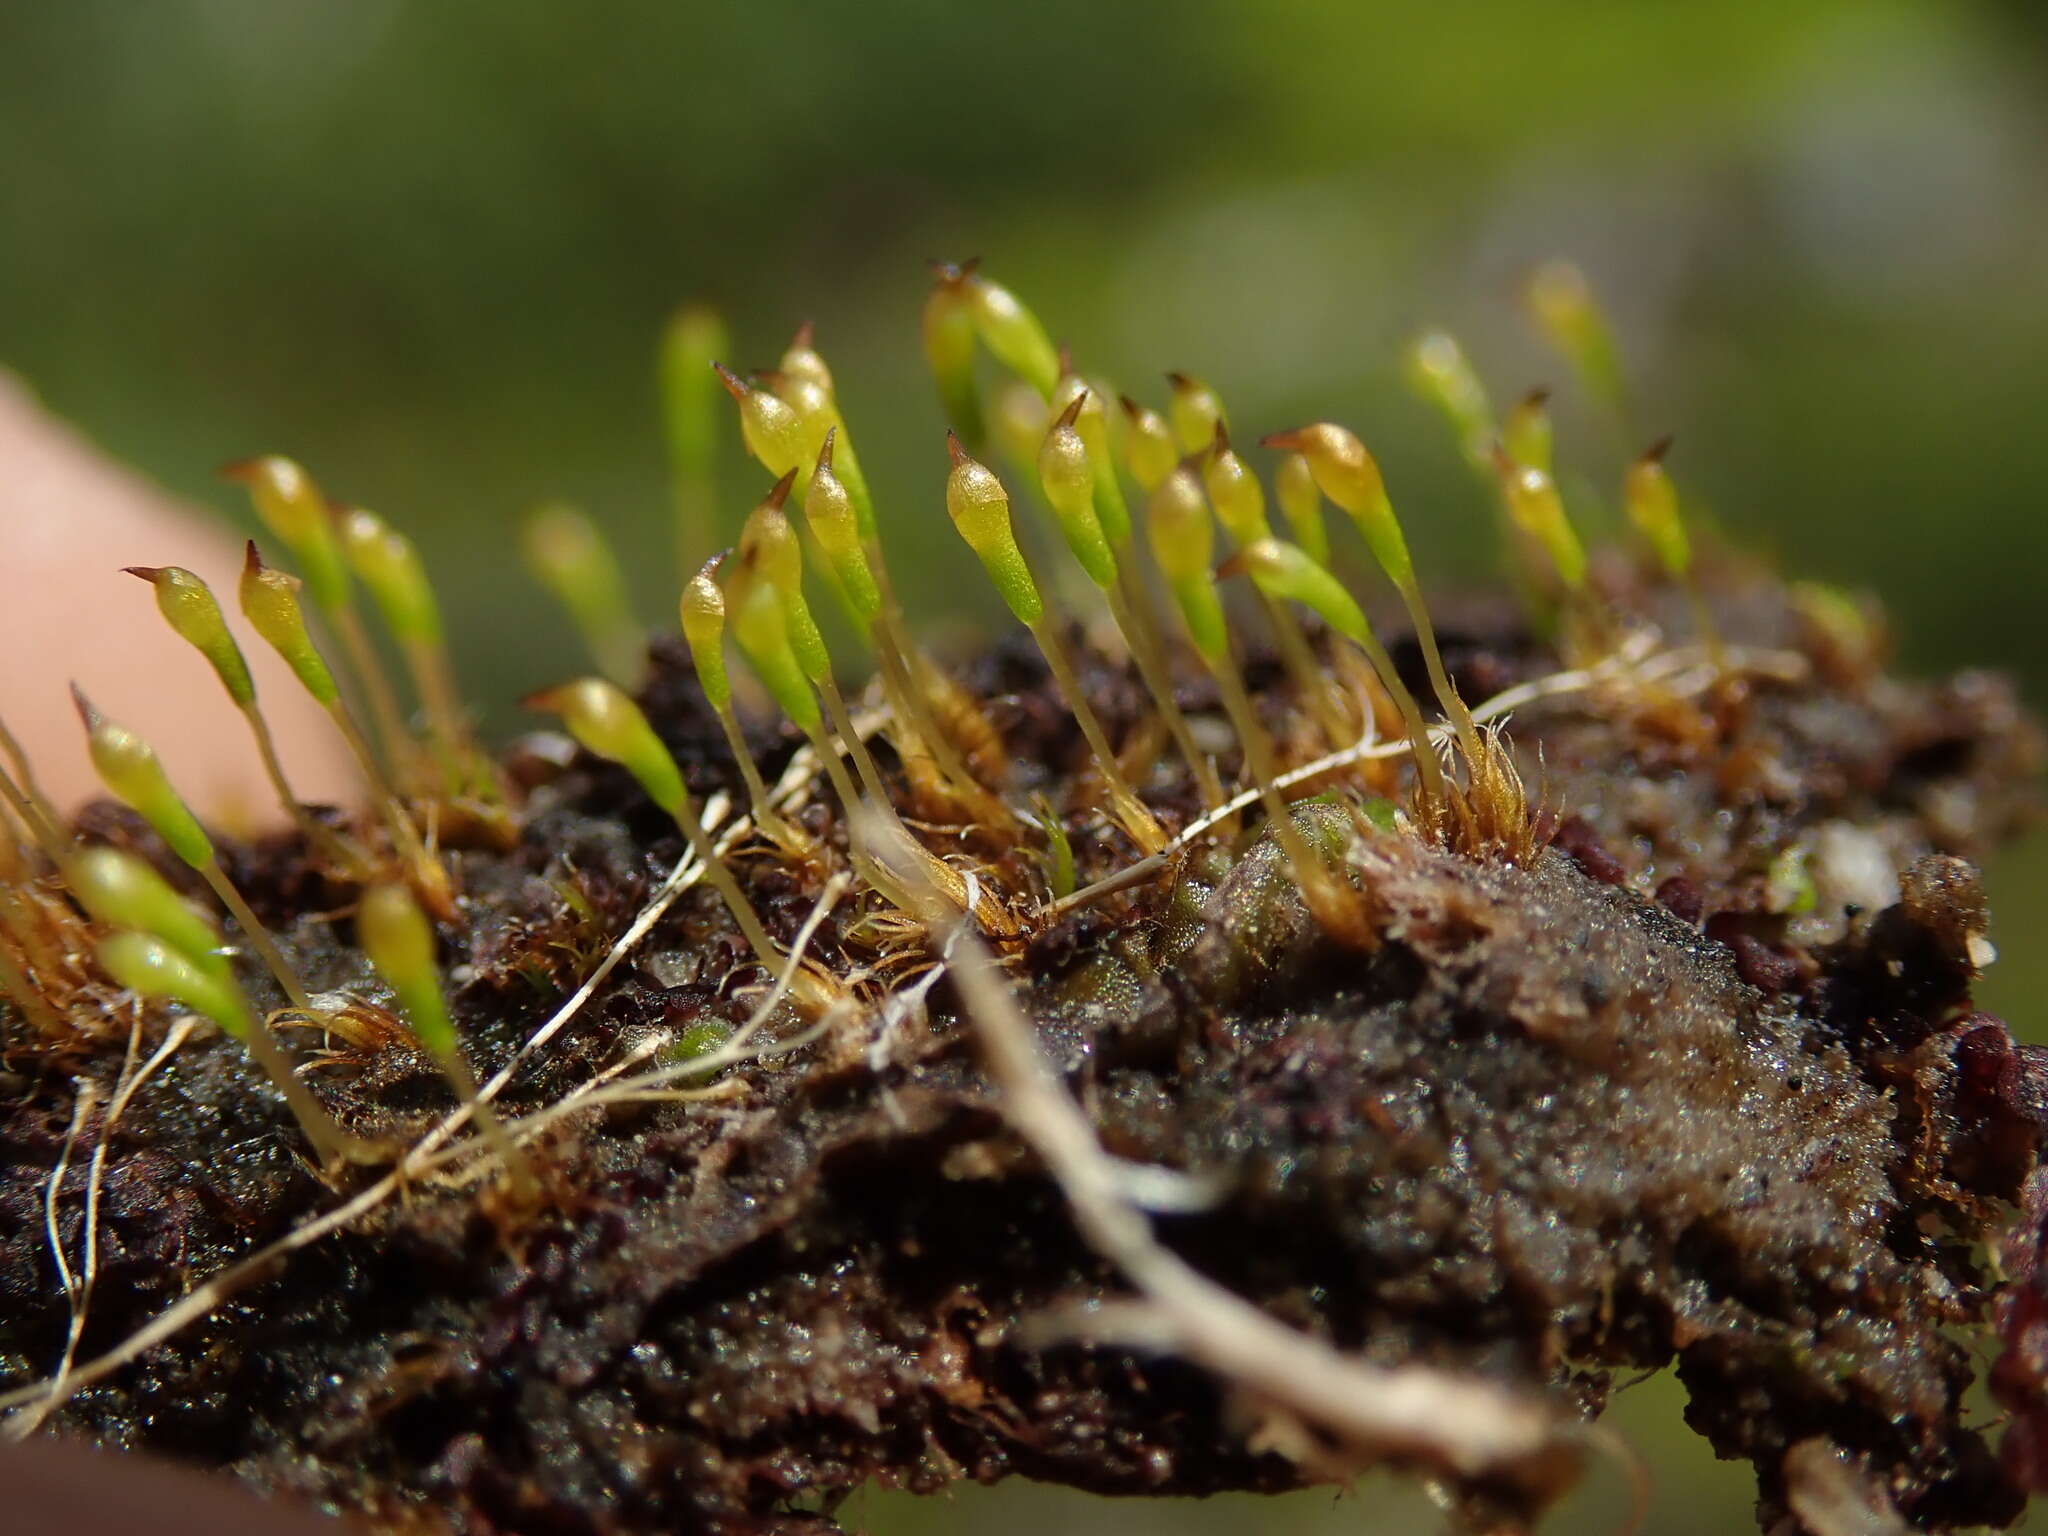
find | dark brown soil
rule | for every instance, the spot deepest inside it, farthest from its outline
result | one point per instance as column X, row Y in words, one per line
column 1659, row 1095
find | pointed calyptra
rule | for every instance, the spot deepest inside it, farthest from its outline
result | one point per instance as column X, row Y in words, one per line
column 134, row 775
column 1234, row 491
column 802, row 360
column 1066, row 471
column 834, row 522
column 1092, row 422
column 189, row 607
column 773, row 431
column 1301, row 502
column 270, row 602
column 1652, row 504
column 702, row 610
column 294, row 510
column 980, row 509
column 1195, row 412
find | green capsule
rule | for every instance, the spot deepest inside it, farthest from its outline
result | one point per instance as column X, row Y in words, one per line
column 1183, row 541
column 769, row 546
column 399, row 942
column 1284, row 571
column 1533, row 502
column 1234, row 492
column 834, row 522
column 760, row 627
column 802, row 360
column 703, row 620
column 1012, row 334
column 1066, row 471
column 691, row 343
column 1194, row 412
column 949, row 351
column 1350, row 476
column 122, row 891
column 296, row 513
column 610, row 725
column 567, row 554
column 1301, row 502
column 1652, row 503
column 980, row 509
column 133, row 774
column 1440, row 372
column 152, row 968
column 772, row 430
column 1092, row 422
column 270, row 602
column 385, row 561
column 1562, row 303
column 189, row 607
column 1526, row 433
column 1149, row 451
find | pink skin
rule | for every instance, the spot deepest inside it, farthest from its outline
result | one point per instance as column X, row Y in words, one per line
column 70, row 518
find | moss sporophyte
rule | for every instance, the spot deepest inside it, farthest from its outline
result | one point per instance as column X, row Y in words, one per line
column 820, row 1022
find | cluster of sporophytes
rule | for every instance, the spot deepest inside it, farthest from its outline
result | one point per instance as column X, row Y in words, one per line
column 1195, row 730
column 1135, row 499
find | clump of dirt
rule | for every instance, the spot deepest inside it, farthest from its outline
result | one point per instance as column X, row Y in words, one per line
column 1702, row 1083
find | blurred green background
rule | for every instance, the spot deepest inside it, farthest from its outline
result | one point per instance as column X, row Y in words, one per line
column 426, row 249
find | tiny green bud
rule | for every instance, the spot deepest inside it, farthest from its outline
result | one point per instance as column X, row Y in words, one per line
column 1195, row 412
column 949, row 351
column 772, row 429
column 1183, row 541
column 703, row 618
column 610, row 725
column 980, row 509
column 1066, row 470
column 270, row 602
column 566, row 554
column 691, row 342
column 151, row 968
column 133, row 774
column 122, row 891
column 1652, row 503
column 1526, row 432
column 1149, row 450
column 1012, row 334
column 835, row 524
column 1301, row 501
column 1350, row 476
column 296, row 514
column 1234, row 492
column 399, row 942
column 1285, row 571
column 1536, row 507
column 189, row 607
column 1440, row 372
column 385, row 561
